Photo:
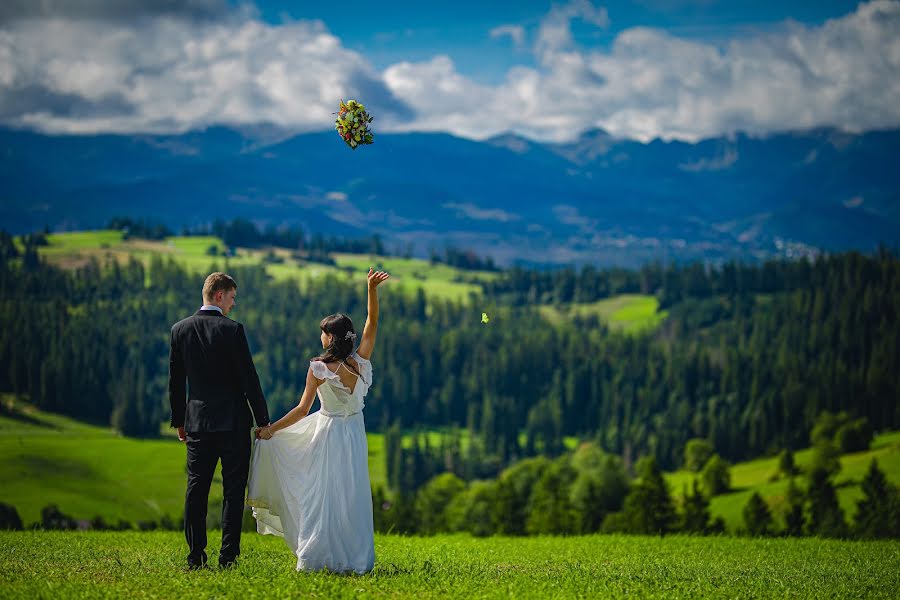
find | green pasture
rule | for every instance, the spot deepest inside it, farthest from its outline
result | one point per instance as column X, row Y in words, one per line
column 89, row 470
column 151, row 565
column 75, row 242
column 435, row 279
column 629, row 313
column 73, row 249
column 761, row 476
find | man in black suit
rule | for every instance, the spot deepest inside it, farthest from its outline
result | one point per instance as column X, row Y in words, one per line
column 210, row 351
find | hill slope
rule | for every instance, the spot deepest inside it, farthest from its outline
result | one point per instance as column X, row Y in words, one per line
column 89, row 471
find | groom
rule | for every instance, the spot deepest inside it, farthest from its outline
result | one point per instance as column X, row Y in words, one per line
column 211, row 352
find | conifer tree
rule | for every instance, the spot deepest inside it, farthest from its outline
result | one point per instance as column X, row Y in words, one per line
column 757, row 516
column 648, row 506
column 786, row 464
column 716, row 476
column 695, row 510
column 793, row 516
column 825, row 516
column 876, row 512
column 551, row 510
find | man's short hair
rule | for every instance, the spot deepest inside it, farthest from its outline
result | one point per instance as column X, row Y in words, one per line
column 217, row 282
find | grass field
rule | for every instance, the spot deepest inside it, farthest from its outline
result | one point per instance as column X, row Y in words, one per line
column 410, row 274
column 89, row 471
column 150, row 565
column 630, row 313
column 756, row 476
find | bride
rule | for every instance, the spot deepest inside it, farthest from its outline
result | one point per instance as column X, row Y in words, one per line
column 309, row 480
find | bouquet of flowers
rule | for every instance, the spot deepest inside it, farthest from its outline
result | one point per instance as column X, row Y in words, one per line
column 353, row 124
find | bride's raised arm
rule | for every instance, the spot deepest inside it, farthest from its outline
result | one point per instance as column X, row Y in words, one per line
column 367, row 344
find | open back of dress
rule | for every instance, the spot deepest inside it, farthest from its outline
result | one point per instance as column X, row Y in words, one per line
column 310, row 482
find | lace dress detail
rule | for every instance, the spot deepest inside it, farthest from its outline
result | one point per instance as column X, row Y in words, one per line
column 310, row 483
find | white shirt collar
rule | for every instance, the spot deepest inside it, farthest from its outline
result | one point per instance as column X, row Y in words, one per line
column 211, row 307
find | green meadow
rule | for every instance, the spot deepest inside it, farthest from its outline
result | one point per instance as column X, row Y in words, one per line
column 200, row 254
column 761, row 476
column 150, row 565
column 631, row 313
column 92, row 471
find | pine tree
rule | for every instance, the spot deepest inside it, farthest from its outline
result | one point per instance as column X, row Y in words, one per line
column 825, row 516
column 9, row 517
column 876, row 512
column 393, row 456
column 695, row 510
column 757, row 516
column 793, row 516
column 696, row 452
column 716, row 476
column 551, row 509
column 786, row 465
column 648, row 507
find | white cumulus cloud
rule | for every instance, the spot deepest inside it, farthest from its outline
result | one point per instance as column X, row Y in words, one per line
column 188, row 64
column 172, row 74
column 844, row 73
column 515, row 32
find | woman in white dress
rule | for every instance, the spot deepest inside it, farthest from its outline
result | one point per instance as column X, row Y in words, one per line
column 309, row 480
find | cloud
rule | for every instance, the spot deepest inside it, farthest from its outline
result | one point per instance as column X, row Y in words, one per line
column 112, row 9
column 718, row 163
column 649, row 84
column 515, row 32
column 170, row 71
column 473, row 212
column 555, row 31
column 170, row 75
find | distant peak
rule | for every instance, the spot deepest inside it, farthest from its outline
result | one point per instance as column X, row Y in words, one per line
column 596, row 134
column 510, row 141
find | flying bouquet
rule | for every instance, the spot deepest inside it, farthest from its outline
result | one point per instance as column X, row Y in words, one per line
column 352, row 124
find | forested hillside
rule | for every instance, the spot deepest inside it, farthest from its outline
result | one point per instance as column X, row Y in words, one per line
column 748, row 356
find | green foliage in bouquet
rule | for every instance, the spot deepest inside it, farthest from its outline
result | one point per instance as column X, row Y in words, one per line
column 352, row 124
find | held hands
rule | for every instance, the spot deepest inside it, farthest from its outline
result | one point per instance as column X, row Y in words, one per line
column 376, row 277
column 264, row 433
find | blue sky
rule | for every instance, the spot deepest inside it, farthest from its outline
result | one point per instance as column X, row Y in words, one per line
column 670, row 69
column 415, row 31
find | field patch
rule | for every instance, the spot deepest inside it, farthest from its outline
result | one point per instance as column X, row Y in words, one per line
column 200, row 254
column 628, row 313
column 146, row 565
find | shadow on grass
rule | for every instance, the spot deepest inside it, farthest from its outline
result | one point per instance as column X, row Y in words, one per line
column 390, row 570
column 11, row 412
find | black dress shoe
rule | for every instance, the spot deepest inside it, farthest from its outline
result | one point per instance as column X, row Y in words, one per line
column 227, row 564
column 195, row 563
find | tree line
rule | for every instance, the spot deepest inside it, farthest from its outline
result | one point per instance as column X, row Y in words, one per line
column 747, row 359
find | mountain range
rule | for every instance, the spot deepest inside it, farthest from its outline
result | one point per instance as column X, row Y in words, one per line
column 599, row 199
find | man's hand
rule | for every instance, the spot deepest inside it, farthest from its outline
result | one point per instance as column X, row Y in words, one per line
column 264, row 433
column 182, row 436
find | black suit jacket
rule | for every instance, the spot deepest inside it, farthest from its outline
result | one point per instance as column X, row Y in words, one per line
column 210, row 351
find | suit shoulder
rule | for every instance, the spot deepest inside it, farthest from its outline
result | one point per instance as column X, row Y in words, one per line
column 233, row 325
column 181, row 323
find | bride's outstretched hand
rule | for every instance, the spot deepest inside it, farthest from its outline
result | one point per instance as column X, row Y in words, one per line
column 376, row 277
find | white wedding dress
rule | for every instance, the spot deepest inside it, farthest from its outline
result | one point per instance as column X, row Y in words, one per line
column 309, row 483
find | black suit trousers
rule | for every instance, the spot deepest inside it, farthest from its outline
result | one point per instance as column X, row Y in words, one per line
column 204, row 450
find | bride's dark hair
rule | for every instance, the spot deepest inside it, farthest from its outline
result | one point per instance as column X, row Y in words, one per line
column 341, row 346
